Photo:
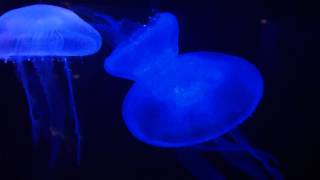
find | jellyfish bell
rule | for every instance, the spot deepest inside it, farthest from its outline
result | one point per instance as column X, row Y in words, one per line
column 46, row 30
column 199, row 97
column 45, row 35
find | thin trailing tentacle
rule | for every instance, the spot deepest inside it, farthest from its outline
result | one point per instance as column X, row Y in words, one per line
column 236, row 151
column 273, row 171
column 56, row 105
column 224, row 145
column 197, row 165
column 73, row 108
column 235, row 155
column 36, row 106
column 245, row 164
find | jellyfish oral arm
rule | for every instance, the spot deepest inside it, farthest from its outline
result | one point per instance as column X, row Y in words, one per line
column 33, row 98
column 73, row 108
column 46, row 105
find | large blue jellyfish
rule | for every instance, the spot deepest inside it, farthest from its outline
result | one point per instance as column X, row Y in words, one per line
column 35, row 38
column 190, row 99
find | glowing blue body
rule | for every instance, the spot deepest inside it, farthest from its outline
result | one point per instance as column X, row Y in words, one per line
column 43, row 34
column 189, row 100
column 45, row 30
column 182, row 100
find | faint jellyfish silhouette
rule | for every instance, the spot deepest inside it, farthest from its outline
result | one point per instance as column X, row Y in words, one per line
column 190, row 99
column 39, row 39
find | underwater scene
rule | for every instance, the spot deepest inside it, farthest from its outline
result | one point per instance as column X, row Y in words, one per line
column 159, row 90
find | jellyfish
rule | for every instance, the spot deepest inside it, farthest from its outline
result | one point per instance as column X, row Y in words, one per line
column 41, row 40
column 190, row 100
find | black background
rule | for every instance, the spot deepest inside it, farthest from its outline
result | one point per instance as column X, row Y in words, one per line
column 285, row 124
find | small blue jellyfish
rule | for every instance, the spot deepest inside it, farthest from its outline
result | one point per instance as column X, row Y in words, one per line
column 186, row 100
column 37, row 39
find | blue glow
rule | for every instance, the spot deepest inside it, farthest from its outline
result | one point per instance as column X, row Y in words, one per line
column 198, row 97
column 40, row 35
column 181, row 100
column 186, row 100
column 46, row 30
column 150, row 47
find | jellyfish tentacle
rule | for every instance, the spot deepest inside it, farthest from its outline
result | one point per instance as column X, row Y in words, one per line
column 227, row 148
column 198, row 166
column 245, row 164
column 74, row 113
column 273, row 171
column 51, row 89
column 56, row 106
column 35, row 102
column 230, row 152
column 222, row 144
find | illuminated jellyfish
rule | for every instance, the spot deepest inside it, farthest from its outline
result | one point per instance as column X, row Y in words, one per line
column 188, row 100
column 38, row 39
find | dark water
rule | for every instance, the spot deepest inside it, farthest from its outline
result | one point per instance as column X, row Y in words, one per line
column 278, row 37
